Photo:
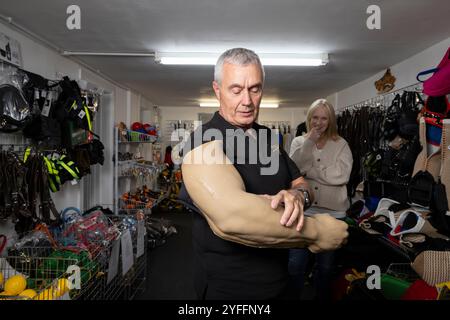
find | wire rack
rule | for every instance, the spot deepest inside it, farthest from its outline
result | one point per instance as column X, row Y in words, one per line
column 128, row 136
column 133, row 206
column 126, row 286
column 93, row 286
column 117, row 285
column 144, row 172
column 46, row 267
column 384, row 99
column 46, row 272
column 134, row 173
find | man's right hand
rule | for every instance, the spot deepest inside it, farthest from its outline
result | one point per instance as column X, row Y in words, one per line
column 331, row 233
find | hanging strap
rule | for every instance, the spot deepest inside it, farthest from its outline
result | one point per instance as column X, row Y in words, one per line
column 32, row 179
column 26, row 154
column 19, row 203
column 88, row 117
column 425, row 72
column 3, row 242
column 74, row 105
column 444, row 144
column 53, row 175
column 72, row 172
column 47, row 204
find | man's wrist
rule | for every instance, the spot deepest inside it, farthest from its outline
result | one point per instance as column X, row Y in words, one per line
column 306, row 198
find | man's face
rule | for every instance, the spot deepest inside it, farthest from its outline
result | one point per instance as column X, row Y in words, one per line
column 240, row 93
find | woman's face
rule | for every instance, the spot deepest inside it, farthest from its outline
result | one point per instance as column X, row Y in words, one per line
column 320, row 120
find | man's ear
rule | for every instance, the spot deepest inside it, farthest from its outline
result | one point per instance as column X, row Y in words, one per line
column 216, row 88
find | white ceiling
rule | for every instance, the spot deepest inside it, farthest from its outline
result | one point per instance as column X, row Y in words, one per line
column 334, row 26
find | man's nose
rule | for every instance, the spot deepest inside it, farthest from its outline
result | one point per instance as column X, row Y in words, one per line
column 246, row 100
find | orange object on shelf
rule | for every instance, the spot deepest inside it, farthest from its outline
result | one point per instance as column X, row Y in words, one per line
column 178, row 176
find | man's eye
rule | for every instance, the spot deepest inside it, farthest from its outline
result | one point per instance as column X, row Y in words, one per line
column 236, row 90
column 255, row 89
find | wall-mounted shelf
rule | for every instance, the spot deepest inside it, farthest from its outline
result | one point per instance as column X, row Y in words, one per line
column 132, row 173
column 128, row 136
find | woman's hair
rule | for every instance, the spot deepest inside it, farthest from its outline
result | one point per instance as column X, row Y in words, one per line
column 331, row 132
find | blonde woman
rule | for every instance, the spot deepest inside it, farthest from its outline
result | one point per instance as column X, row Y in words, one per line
column 326, row 161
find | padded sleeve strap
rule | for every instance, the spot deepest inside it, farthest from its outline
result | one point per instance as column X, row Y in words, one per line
column 233, row 214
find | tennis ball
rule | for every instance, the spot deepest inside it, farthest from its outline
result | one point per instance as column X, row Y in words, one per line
column 29, row 293
column 15, row 285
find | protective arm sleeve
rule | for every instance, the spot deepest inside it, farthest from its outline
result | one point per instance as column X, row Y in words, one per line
column 235, row 215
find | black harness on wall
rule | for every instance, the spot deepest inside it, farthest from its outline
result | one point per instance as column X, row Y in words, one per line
column 25, row 192
column 369, row 129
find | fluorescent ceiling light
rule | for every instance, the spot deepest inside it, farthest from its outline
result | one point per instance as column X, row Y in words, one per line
column 215, row 104
column 269, row 105
column 293, row 59
column 211, row 104
column 187, row 58
column 267, row 59
column 203, row 58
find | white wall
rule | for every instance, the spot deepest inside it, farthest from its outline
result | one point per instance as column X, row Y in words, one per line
column 405, row 72
column 147, row 109
column 135, row 107
column 293, row 115
column 121, row 105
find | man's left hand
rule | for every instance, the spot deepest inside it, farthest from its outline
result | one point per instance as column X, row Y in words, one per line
column 293, row 207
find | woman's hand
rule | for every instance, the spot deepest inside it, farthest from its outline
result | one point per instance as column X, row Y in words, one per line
column 314, row 134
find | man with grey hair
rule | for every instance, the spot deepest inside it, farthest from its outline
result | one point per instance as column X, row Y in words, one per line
column 240, row 93
column 238, row 56
column 224, row 267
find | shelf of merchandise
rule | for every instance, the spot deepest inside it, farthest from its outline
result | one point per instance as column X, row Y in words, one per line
column 133, row 139
column 128, row 136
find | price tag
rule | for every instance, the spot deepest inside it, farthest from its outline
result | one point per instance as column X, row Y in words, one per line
column 127, row 252
column 113, row 264
column 140, row 238
column 65, row 296
column 81, row 114
column 47, row 105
